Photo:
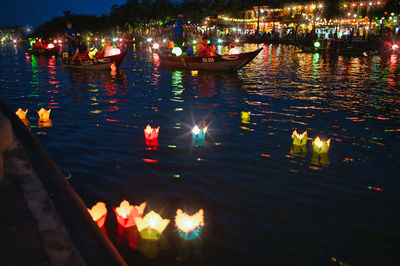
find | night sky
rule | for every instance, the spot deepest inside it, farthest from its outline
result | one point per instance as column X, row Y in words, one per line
column 33, row 13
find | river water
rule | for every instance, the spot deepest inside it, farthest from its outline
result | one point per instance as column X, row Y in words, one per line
column 264, row 201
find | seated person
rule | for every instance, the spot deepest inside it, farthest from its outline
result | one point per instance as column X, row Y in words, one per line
column 82, row 52
column 206, row 49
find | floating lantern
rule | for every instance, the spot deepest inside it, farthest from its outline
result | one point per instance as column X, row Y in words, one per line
column 126, row 213
column 299, row 139
column 321, row 146
column 151, row 136
column 21, row 113
column 199, row 135
column 245, row 117
column 99, row 213
column 151, row 225
column 177, row 51
column 44, row 115
column 189, row 227
column 156, row 46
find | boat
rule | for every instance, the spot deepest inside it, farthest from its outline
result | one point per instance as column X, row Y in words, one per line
column 218, row 62
column 338, row 47
column 45, row 51
column 338, row 51
column 96, row 63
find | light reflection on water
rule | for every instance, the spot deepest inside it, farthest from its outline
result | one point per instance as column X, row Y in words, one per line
column 263, row 198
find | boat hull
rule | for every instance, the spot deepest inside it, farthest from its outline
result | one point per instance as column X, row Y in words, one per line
column 45, row 51
column 96, row 63
column 215, row 63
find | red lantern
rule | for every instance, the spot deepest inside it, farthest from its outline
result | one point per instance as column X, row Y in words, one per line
column 151, row 136
column 127, row 213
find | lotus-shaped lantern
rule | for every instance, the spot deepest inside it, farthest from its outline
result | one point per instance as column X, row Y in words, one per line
column 245, row 117
column 44, row 115
column 21, row 113
column 199, row 135
column 151, row 136
column 321, row 146
column 299, row 139
column 99, row 213
column 151, row 225
column 126, row 213
column 189, row 227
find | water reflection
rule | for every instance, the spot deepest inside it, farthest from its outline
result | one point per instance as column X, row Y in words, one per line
column 246, row 166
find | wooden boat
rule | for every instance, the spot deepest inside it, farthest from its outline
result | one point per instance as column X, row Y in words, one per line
column 219, row 62
column 95, row 63
column 45, row 51
column 339, row 51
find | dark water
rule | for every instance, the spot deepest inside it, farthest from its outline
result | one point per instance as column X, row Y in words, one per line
column 263, row 200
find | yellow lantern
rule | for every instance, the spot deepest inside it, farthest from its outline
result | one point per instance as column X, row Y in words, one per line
column 44, row 115
column 126, row 213
column 21, row 113
column 245, row 117
column 321, row 146
column 189, row 227
column 99, row 213
column 151, row 225
column 299, row 139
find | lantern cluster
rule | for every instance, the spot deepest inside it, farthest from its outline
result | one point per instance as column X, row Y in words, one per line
column 151, row 136
column 151, row 225
column 44, row 117
column 320, row 147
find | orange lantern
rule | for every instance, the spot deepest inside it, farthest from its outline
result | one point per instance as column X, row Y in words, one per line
column 127, row 213
column 99, row 213
column 21, row 113
column 44, row 115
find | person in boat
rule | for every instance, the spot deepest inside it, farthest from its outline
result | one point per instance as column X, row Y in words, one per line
column 206, row 49
column 179, row 31
column 70, row 38
column 82, row 52
column 107, row 47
